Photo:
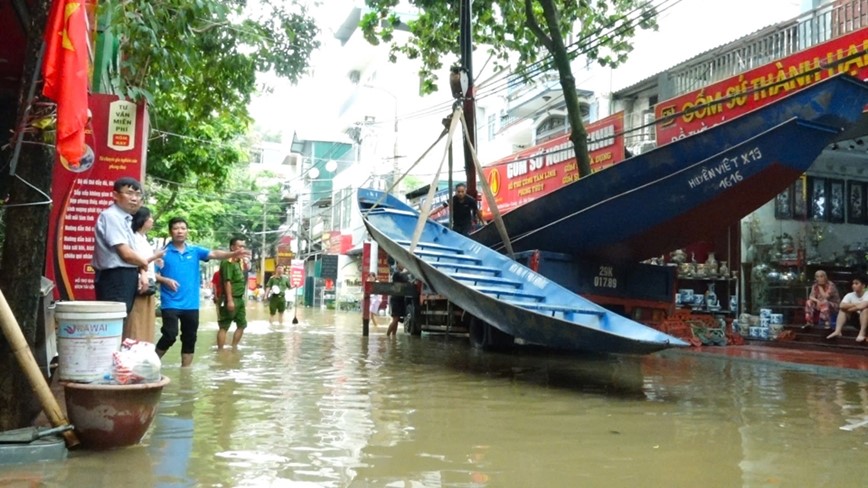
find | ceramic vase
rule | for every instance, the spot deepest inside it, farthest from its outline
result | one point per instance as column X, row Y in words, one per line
column 711, row 265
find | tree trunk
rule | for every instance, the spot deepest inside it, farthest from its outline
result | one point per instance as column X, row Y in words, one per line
column 578, row 135
column 24, row 245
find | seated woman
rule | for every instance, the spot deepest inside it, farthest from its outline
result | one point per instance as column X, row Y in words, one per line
column 822, row 302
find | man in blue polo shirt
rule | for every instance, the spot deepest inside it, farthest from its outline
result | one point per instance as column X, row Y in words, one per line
column 179, row 280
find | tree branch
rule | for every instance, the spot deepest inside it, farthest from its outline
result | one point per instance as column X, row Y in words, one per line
column 535, row 28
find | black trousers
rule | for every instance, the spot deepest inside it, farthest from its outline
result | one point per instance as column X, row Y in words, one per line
column 117, row 285
column 189, row 320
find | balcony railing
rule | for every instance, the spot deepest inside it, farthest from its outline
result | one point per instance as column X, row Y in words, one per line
column 518, row 88
column 817, row 26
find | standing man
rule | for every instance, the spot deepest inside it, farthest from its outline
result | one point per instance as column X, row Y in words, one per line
column 465, row 211
column 276, row 292
column 397, row 303
column 233, row 277
column 179, row 278
column 854, row 303
column 115, row 260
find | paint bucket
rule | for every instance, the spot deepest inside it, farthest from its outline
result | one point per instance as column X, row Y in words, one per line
column 88, row 333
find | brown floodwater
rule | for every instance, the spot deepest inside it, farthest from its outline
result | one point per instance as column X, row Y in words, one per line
column 318, row 405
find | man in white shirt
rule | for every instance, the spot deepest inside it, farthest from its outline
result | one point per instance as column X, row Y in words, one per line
column 855, row 302
column 114, row 257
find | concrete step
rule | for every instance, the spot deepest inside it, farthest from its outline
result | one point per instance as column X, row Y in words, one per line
column 814, row 338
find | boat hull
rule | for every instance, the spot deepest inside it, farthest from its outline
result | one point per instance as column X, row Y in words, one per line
column 592, row 329
column 663, row 213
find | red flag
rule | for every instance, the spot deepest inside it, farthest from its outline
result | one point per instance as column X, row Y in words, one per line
column 65, row 71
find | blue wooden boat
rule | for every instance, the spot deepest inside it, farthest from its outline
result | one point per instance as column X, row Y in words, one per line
column 505, row 299
column 689, row 189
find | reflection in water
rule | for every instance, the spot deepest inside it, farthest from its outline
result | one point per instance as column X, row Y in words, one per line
column 317, row 404
column 171, row 441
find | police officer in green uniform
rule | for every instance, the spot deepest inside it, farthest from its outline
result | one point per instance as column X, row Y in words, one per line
column 233, row 277
column 276, row 290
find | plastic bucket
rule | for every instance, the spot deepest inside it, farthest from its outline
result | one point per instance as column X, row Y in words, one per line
column 87, row 335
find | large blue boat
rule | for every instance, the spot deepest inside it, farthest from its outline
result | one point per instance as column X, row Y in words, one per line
column 508, row 301
column 686, row 190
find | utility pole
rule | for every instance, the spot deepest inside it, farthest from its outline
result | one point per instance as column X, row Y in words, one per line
column 465, row 41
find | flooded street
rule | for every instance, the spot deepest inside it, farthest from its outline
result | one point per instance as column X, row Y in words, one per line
column 316, row 404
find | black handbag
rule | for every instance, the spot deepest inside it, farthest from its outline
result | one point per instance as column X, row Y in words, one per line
column 152, row 287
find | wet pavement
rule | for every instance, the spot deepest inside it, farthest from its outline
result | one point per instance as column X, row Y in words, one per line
column 317, row 404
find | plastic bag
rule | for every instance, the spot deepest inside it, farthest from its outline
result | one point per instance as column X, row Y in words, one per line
column 136, row 362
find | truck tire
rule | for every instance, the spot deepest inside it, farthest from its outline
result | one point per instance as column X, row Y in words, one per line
column 484, row 336
column 412, row 321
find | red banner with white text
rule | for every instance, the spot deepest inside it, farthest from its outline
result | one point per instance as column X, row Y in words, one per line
column 296, row 273
column 701, row 109
column 536, row 171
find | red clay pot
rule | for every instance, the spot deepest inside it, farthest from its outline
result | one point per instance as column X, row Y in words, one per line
column 109, row 416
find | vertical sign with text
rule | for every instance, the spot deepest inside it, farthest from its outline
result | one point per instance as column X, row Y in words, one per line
column 296, row 273
column 115, row 147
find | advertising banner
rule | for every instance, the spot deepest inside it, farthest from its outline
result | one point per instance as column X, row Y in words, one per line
column 544, row 168
column 116, row 146
column 701, row 109
column 284, row 251
column 296, row 273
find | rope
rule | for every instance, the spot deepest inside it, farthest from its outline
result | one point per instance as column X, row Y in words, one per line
column 489, row 196
column 429, row 200
column 395, row 183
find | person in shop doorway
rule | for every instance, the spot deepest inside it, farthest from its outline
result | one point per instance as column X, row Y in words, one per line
column 276, row 290
column 115, row 259
column 822, row 303
column 465, row 211
column 397, row 303
column 179, row 280
column 233, row 276
column 854, row 305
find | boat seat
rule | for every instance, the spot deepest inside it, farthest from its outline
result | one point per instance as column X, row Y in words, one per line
column 422, row 253
column 548, row 307
column 477, row 279
column 459, row 267
column 510, row 292
column 431, row 245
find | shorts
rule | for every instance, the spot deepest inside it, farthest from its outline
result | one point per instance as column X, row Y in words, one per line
column 225, row 317
column 398, row 306
column 277, row 303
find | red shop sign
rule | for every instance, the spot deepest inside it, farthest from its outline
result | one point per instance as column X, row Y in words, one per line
column 698, row 110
